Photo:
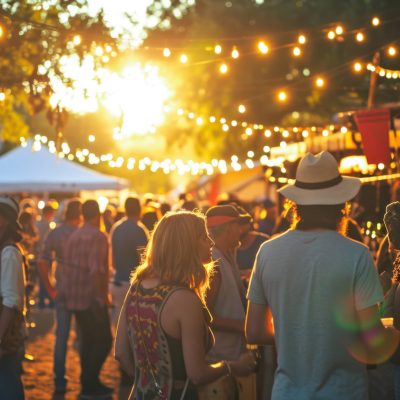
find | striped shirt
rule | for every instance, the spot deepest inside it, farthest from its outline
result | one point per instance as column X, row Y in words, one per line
column 87, row 268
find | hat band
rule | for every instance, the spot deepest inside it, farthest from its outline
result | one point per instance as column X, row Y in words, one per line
column 219, row 220
column 318, row 185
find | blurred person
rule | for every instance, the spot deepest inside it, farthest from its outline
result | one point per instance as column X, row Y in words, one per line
column 86, row 295
column 128, row 239
column 226, row 297
column 54, row 253
column 29, row 232
column 250, row 242
column 163, row 332
column 385, row 258
column 12, row 297
column 392, row 223
column 268, row 217
column 109, row 218
column 187, row 202
column 44, row 227
column 322, row 291
column 190, row 205
column 30, row 236
column 164, row 208
column 224, row 199
column 151, row 214
column 353, row 230
column 119, row 214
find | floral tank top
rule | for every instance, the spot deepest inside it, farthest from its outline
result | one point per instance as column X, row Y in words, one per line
column 159, row 365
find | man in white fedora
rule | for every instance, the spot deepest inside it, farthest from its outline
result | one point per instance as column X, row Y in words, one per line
column 322, row 291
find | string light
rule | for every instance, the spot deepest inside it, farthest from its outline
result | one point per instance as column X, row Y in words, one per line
column 282, row 96
column 320, row 82
column 218, row 49
column 189, row 167
column 183, row 58
column 166, row 52
column 392, row 51
column 2, row 96
column 235, row 53
column 242, row 108
column 262, row 47
column 296, row 51
column 360, row 37
column 302, row 39
column 249, row 131
column 251, row 127
column 357, row 67
column 331, row 35
column 223, row 68
column 339, row 30
column 375, row 21
column 91, row 138
column 384, row 72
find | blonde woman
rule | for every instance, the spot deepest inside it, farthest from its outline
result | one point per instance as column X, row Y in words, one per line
column 163, row 333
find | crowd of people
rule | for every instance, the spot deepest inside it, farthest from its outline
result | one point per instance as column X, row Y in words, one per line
column 209, row 303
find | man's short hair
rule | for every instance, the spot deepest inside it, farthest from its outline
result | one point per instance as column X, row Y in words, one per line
column 132, row 206
column 90, row 209
column 73, row 210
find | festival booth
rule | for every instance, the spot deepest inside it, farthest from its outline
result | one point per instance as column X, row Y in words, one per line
column 27, row 170
column 366, row 145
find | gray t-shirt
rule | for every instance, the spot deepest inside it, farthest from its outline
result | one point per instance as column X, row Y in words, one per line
column 314, row 282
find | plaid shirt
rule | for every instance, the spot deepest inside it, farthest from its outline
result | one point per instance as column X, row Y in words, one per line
column 87, row 263
column 54, row 249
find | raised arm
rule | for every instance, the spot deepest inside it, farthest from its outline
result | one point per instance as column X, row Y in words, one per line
column 193, row 331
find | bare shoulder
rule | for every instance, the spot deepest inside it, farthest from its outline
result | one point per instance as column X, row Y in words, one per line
column 184, row 300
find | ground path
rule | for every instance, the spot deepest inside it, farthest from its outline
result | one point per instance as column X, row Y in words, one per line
column 38, row 374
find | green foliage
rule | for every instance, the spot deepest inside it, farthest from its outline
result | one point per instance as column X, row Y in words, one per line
column 36, row 34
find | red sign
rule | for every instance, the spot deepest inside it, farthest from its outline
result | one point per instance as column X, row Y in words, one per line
column 374, row 126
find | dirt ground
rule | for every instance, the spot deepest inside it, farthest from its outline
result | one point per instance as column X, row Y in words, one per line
column 38, row 374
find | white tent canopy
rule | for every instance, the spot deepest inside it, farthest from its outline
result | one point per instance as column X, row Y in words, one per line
column 26, row 170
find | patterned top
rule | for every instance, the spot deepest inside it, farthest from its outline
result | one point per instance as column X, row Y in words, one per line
column 86, row 263
column 159, row 365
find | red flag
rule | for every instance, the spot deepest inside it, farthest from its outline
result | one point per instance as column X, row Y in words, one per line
column 374, row 126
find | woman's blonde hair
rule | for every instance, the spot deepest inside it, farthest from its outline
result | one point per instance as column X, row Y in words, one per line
column 173, row 252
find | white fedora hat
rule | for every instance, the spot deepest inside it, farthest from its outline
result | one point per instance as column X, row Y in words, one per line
column 318, row 182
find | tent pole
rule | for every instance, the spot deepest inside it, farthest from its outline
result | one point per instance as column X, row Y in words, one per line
column 373, row 79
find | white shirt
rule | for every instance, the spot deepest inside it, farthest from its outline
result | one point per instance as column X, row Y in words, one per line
column 12, row 278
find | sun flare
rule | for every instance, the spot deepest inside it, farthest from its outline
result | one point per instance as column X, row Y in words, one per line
column 135, row 97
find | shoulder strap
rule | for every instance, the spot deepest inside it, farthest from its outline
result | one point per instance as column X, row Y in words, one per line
column 396, row 307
